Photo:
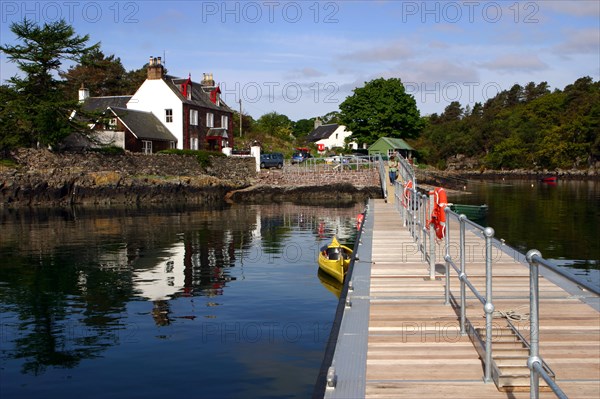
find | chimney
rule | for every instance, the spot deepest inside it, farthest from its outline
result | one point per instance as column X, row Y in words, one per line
column 318, row 122
column 208, row 80
column 84, row 93
column 155, row 68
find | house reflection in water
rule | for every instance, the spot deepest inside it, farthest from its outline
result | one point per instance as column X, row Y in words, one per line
column 187, row 269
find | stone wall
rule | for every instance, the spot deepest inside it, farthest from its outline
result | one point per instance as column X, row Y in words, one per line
column 292, row 176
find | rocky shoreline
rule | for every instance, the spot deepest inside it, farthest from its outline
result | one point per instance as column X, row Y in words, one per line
column 44, row 178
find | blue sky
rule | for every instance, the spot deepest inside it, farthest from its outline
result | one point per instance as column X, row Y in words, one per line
column 303, row 58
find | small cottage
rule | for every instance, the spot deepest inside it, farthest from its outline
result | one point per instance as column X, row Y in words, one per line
column 329, row 136
column 387, row 146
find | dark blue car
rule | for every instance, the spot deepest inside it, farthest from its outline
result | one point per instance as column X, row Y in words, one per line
column 274, row 160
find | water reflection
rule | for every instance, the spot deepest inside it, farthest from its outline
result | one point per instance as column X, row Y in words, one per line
column 74, row 283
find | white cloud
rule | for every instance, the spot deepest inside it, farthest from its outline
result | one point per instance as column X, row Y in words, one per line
column 584, row 41
column 579, row 8
column 306, row 72
column 393, row 52
column 516, row 62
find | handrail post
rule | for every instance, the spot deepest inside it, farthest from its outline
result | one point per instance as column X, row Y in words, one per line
column 488, row 232
column 418, row 231
column 534, row 354
column 463, row 290
column 432, row 247
column 447, row 257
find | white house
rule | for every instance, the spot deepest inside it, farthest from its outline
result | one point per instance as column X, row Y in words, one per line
column 193, row 112
column 329, row 136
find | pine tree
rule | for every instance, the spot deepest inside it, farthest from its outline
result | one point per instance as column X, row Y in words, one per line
column 42, row 111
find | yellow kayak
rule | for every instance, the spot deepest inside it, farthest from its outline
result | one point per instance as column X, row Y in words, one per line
column 334, row 259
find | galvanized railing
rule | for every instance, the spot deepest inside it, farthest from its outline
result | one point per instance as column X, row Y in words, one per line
column 415, row 208
column 382, row 176
column 486, row 300
column 535, row 363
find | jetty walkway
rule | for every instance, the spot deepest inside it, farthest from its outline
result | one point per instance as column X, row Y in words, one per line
column 401, row 334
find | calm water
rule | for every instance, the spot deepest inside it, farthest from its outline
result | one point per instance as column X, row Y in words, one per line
column 560, row 220
column 165, row 302
column 211, row 303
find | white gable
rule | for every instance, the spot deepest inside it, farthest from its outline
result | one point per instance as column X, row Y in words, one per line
column 336, row 139
column 155, row 96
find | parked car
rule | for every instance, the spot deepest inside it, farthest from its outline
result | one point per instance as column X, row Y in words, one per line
column 300, row 157
column 274, row 160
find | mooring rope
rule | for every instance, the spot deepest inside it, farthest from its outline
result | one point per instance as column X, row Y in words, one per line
column 513, row 314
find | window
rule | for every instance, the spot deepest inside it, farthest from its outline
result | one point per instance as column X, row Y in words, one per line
column 172, row 144
column 110, row 124
column 168, row 115
column 210, row 120
column 193, row 117
column 225, row 121
column 146, row 147
column 193, row 143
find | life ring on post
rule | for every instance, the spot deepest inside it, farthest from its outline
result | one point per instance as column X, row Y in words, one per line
column 406, row 193
column 438, row 215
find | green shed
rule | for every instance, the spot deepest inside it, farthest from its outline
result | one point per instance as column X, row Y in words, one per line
column 387, row 146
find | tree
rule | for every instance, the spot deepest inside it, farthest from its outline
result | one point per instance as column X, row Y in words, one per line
column 301, row 128
column 331, row 117
column 275, row 124
column 102, row 75
column 381, row 108
column 44, row 113
column 248, row 124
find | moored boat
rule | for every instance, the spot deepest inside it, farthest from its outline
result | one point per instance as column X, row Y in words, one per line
column 473, row 212
column 549, row 179
column 334, row 259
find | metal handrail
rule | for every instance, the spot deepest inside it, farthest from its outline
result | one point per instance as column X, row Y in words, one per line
column 486, row 300
column 535, row 362
column 382, row 176
column 413, row 218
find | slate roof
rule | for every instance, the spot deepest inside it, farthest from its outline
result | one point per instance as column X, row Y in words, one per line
column 144, row 125
column 101, row 103
column 322, row 132
column 199, row 96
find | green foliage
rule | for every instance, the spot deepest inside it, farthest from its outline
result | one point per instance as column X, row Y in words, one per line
column 202, row 156
column 381, row 108
column 102, row 75
column 524, row 127
column 38, row 112
column 301, row 128
column 275, row 124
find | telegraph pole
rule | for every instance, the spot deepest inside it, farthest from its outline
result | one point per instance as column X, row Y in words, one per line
column 240, row 100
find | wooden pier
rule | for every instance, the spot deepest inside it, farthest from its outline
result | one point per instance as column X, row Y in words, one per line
column 414, row 347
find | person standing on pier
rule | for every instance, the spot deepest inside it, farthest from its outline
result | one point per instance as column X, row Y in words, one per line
column 393, row 169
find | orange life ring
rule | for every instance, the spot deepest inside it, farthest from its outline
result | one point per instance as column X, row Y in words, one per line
column 406, row 193
column 438, row 216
